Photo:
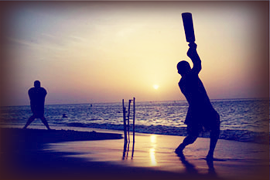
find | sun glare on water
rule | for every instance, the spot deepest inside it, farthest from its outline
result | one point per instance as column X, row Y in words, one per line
column 155, row 86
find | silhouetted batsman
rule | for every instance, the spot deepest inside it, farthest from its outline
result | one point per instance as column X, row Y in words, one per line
column 37, row 96
column 201, row 115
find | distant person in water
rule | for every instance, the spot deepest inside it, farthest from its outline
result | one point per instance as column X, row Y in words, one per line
column 201, row 115
column 37, row 96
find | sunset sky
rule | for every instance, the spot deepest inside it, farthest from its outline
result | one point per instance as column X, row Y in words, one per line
column 108, row 51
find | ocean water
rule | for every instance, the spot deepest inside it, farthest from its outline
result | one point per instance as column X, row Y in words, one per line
column 241, row 119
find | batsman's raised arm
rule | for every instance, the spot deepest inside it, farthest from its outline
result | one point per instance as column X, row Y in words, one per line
column 193, row 55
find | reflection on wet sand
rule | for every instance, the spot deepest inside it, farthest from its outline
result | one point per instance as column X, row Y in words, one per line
column 152, row 150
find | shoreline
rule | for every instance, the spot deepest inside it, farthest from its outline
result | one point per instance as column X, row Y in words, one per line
column 261, row 137
column 81, row 157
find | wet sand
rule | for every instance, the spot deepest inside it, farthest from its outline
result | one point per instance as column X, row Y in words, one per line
column 40, row 154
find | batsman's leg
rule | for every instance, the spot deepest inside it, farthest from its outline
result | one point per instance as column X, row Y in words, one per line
column 214, row 135
column 193, row 133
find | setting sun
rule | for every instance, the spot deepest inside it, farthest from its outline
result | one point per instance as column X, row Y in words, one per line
column 155, row 86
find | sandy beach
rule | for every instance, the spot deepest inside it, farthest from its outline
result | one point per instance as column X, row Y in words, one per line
column 62, row 154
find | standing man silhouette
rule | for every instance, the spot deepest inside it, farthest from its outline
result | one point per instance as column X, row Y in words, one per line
column 37, row 96
column 201, row 114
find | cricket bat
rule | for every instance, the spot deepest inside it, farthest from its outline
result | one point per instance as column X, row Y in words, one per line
column 188, row 26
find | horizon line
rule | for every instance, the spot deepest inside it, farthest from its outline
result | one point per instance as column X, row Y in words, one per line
column 251, row 98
